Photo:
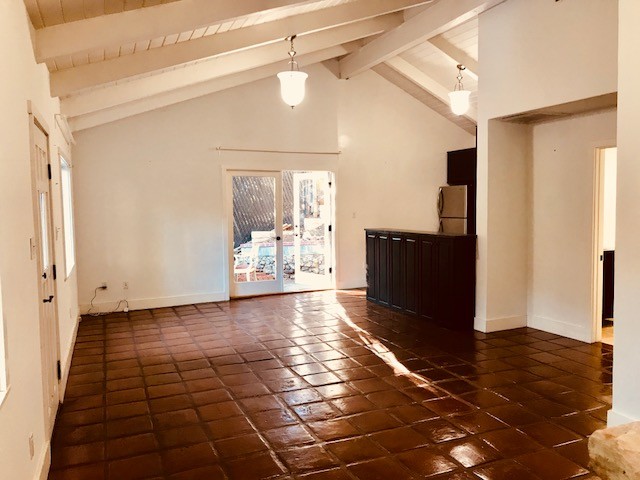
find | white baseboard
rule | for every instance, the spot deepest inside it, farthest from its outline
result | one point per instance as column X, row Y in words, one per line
column 615, row 418
column 570, row 330
column 350, row 285
column 66, row 366
column 160, row 302
column 488, row 325
column 44, row 463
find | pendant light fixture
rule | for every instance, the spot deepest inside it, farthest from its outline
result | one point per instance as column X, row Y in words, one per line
column 459, row 98
column 292, row 81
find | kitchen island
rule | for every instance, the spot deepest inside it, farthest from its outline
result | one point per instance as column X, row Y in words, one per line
column 429, row 274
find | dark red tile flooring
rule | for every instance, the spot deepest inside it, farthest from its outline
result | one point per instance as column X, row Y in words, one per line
column 323, row 386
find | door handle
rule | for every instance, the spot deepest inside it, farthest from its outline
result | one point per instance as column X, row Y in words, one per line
column 48, row 300
column 440, row 202
column 44, row 275
column 278, row 238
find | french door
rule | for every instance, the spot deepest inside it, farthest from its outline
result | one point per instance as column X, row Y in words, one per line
column 46, row 270
column 312, row 229
column 255, row 232
column 280, row 232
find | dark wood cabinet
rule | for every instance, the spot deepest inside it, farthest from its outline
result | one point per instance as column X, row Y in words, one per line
column 398, row 293
column 461, row 167
column 372, row 274
column 428, row 274
column 382, row 268
column 411, row 264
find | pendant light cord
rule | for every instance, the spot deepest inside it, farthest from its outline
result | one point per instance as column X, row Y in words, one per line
column 459, row 85
column 292, row 54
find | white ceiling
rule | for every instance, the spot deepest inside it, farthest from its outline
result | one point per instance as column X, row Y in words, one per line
column 112, row 58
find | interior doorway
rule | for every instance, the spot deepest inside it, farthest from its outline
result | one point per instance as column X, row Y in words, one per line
column 604, row 316
column 280, row 231
column 42, row 250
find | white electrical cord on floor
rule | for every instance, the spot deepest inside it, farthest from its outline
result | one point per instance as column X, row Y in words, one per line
column 97, row 314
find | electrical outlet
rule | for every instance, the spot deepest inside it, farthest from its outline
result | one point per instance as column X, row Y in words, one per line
column 125, row 285
column 103, row 285
column 32, row 447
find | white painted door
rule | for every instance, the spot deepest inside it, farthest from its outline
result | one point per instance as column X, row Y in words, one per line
column 255, row 232
column 312, row 230
column 44, row 257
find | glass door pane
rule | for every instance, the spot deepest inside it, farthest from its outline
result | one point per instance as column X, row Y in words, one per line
column 43, row 205
column 312, row 229
column 256, row 233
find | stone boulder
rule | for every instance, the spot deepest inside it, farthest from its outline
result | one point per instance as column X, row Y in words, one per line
column 615, row 452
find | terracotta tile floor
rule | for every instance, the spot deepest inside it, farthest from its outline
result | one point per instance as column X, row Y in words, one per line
column 323, row 386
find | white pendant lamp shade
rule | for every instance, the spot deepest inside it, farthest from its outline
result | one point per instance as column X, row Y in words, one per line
column 292, row 86
column 459, row 101
column 459, row 98
column 292, row 80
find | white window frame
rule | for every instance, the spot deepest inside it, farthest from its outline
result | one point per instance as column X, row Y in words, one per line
column 4, row 371
column 68, row 221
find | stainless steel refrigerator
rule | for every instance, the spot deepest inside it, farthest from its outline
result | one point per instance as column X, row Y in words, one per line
column 452, row 209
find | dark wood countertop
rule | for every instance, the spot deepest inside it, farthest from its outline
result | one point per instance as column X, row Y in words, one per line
column 416, row 232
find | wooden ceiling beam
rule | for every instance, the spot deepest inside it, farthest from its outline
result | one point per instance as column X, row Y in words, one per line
column 64, row 82
column 141, row 24
column 424, row 81
column 434, row 20
column 434, row 103
column 457, row 55
column 136, row 107
column 127, row 91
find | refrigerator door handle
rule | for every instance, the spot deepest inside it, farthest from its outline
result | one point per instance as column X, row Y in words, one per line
column 440, row 202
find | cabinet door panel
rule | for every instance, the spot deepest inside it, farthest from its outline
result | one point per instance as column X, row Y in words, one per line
column 411, row 264
column 445, row 287
column 397, row 266
column 383, row 269
column 372, row 289
column 461, row 167
column 427, row 286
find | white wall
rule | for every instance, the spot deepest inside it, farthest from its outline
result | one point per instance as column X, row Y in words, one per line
column 504, row 224
column 626, row 381
column 22, row 412
column 148, row 188
column 562, row 249
column 609, row 215
column 393, row 161
column 533, row 54
column 149, row 199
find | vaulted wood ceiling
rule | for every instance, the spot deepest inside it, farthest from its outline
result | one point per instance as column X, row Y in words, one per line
column 110, row 59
